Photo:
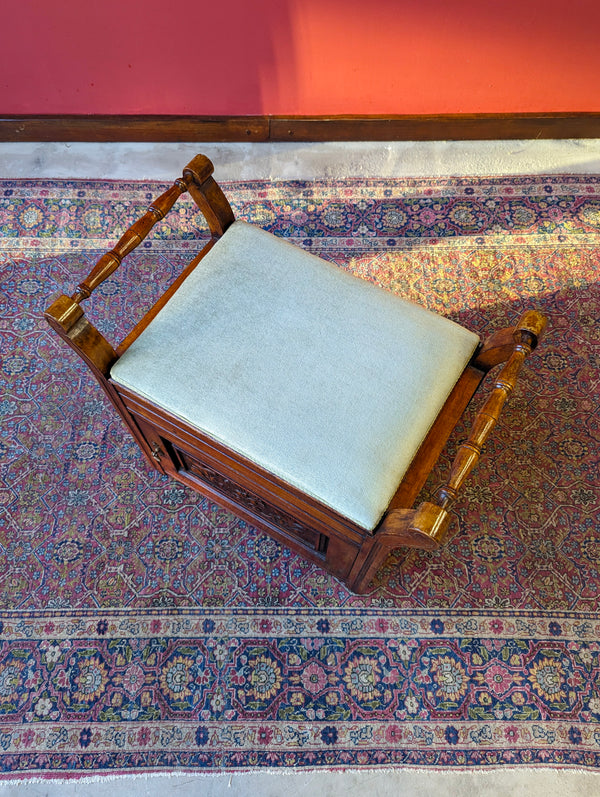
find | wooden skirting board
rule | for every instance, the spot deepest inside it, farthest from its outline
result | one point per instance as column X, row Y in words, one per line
column 467, row 127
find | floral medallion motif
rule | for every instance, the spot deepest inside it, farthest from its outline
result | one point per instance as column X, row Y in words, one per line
column 450, row 681
column 145, row 629
column 548, row 680
column 362, row 676
column 257, row 680
column 314, row 678
column 87, row 677
column 184, row 679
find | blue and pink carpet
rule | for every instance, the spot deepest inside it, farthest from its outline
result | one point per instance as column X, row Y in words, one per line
column 144, row 629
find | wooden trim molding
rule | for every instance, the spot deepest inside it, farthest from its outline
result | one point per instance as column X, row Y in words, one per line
column 133, row 128
column 457, row 127
column 467, row 127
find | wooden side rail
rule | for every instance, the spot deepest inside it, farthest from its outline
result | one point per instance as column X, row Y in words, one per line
column 527, row 334
column 109, row 262
column 66, row 315
column 426, row 525
column 197, row 179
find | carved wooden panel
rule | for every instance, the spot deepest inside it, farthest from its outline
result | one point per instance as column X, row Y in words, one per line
column 258, row 506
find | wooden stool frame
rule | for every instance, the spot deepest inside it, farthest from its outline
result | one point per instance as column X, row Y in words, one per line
column 317, row 532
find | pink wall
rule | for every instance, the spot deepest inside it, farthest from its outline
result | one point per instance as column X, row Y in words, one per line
column 299, row 56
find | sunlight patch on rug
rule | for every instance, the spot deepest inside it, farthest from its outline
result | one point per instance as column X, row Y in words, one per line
column 145, row 629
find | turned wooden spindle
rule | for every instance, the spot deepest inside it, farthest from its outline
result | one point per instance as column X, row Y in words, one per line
column 197, row 179
column 66, row 316
column 425, row 526
column 526, row 335
column 138, row 231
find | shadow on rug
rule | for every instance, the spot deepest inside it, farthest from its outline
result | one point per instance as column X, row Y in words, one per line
column 145, row 629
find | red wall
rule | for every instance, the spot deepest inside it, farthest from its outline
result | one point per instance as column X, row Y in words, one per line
column 299, row 56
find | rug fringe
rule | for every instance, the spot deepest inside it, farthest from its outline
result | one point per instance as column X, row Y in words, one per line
column 495, row 772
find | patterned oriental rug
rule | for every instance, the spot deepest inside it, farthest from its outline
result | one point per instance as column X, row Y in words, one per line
column 144, row 629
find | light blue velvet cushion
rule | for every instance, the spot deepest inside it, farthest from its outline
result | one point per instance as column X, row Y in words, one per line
column 317, row 376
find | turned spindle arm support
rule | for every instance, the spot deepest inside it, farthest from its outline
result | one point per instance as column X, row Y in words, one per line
column 526, row 335
column 426, row 525
column 429, row 521
column 66, row 316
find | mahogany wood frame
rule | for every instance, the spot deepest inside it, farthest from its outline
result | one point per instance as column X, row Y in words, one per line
column 434, row 127
column 176, row 448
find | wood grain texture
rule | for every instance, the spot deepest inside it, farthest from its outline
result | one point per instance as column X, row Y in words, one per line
column 133, row 128
column 176, row 448
column 425, row 526
column 441, row 127
column 526, row 335
column 138, row 231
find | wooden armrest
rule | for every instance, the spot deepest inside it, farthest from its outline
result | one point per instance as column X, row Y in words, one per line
column 67, row 318
column 207, row 194
column 426, row 526
column 526, row 335
column 65, row 315
column 197, row 179
column 128, row 242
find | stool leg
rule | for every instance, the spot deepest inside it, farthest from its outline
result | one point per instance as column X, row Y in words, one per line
column 424, row 527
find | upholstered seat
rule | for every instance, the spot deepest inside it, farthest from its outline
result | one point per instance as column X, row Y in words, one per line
column 308, row 401
column 315, row 375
